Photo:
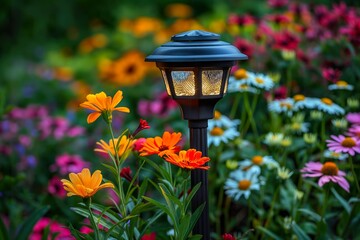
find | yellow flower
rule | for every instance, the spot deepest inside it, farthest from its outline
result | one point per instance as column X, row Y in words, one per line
column 103, row 105
column 121, row 146
column 84, row 184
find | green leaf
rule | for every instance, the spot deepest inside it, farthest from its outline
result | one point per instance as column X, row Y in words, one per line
column 184, row 226
column 28, row 225
column 299, row 232
column 151, row 220
column 342, row 201
column 110, row 168
column 3, row 231
column 269, row 233
column 191, row 195
column 195, row 216
column 310, row 213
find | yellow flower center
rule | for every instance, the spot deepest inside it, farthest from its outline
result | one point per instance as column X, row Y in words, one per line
column 216, row 131
column 299, row 97
column 244, row 86
column 342, row 83
column 335, row 154
column 257, row 160
column 217, row 115
column 327, row 101
column 240, row 74
column 259, row 80
column 287, row 105
column 244, row 184
column 348, row 142
column 330, row 169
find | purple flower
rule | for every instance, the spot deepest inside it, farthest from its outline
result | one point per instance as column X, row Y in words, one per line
column 327, row 172
column 344, row 144
column 353, row 118
column 354, row 131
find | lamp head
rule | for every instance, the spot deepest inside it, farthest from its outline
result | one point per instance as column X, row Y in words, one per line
column 195, row 67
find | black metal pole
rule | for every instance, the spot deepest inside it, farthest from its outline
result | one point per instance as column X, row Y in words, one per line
column 198, row 140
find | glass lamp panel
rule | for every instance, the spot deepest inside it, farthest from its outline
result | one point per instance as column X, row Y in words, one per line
column 226, row 81
column 211, row 82
column 184, row 83
column 166, row 82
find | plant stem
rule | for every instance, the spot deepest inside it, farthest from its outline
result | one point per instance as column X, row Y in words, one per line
column 354, row 175
column 235, row 105
column 323, row 210
column 92, row 220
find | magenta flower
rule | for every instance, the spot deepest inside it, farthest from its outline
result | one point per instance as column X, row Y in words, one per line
column 244, row 46
column 353, row 118
column 56, row 188
column 68, row 163
column 327, row 172
column 54, row 229
column 344, row 144
column 286, row 41
column 354, row 131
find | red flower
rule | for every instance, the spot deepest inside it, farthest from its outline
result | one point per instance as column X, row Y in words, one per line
column 244, row 46
column 142, row 126
column 150, row 236
column 126, row 173
column 228, row 236
column 331, row 74
column 286, row 41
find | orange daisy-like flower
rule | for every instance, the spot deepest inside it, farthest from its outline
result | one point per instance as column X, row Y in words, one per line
column 103, row 105
column 161, row 146
column 84, row 184
column 190, row 159
column 121, row 146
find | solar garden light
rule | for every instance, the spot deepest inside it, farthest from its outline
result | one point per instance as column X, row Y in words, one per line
column 195, row 67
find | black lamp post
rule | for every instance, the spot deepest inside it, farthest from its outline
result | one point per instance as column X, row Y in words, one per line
column 195, row 67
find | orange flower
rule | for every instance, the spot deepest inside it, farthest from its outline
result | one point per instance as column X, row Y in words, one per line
column 103, row 105
column 190, row 159
column 161, row 146
column 84, row 184
column 122, row 146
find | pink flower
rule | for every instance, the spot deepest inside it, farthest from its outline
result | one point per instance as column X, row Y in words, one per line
column 56, row 188
column 344, row 144
column 354, row 131
column 277, row 3
column 353, row 118
column 327, row 172
column 69, row 163
column 143, row 124
column 55, row 228
column 160, row 106
column 139, row 143
column 242, row 20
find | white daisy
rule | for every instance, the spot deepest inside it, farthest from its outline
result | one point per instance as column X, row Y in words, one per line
column 222, row 121
column 240, row 183
column 282, row 106
column 217, row 135
column 268, row 161
column 274, row 139
column 335, row 155
column 261, row 81
column 302, row 102
column 241, row 87
column 341, row 85
column 328, row 106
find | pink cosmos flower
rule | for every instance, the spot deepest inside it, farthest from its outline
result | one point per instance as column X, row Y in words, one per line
column 344, row 144
column 327, row 172
column 69, row 163
column 354, row 131
column 353, row 118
